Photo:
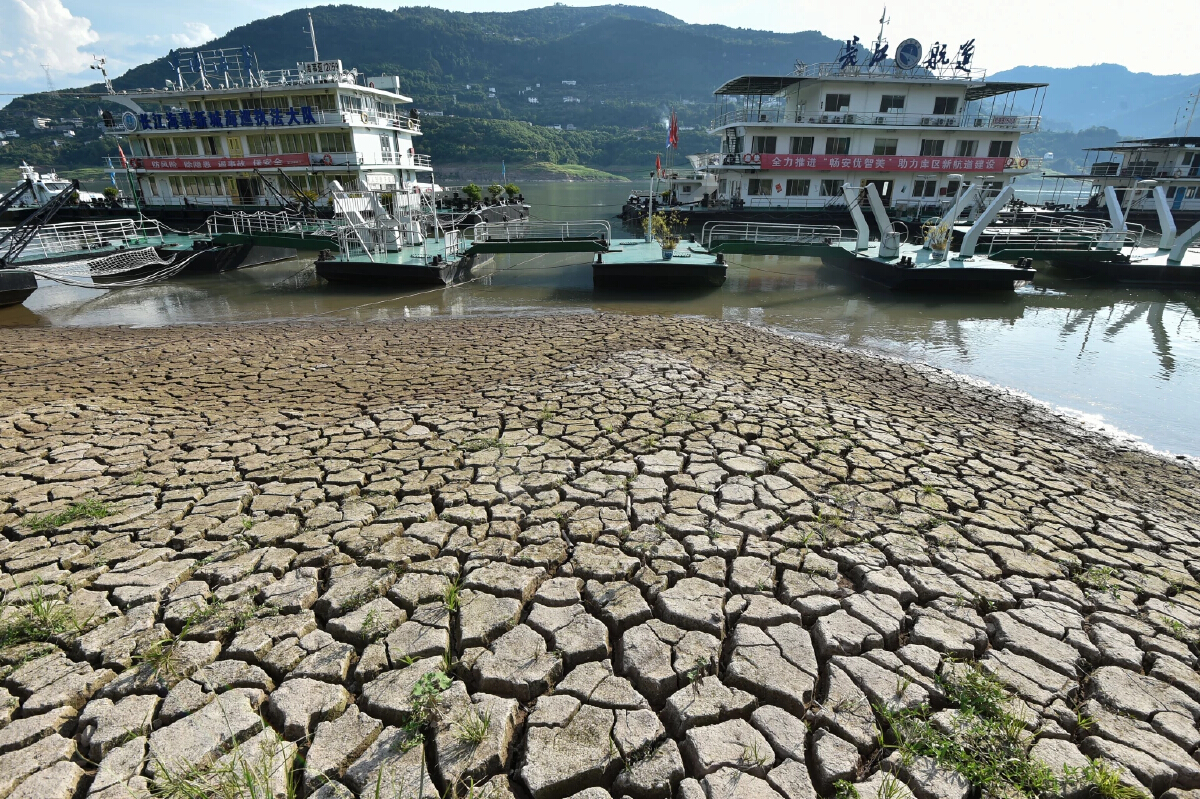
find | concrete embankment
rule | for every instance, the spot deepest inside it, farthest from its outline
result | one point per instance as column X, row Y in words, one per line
column 573, row 556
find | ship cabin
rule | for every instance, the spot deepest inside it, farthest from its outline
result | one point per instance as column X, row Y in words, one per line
column 225, row 133
column 792, row 141
column 1172, row 162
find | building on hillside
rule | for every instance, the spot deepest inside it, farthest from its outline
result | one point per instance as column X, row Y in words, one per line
column 570, row 99
column 532, row 100
column 42, row 123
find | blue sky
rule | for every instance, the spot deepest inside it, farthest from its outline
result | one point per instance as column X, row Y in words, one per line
column 1061, row 33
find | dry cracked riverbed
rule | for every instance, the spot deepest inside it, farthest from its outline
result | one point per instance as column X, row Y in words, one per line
column 588, row 556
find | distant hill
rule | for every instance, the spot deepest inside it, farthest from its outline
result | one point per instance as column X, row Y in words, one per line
column 1109, row 95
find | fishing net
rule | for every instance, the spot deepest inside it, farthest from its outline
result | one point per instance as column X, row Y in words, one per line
column 83, row 272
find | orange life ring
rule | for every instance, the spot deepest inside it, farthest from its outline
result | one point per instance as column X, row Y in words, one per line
column 1024, row 163
column 327, row 160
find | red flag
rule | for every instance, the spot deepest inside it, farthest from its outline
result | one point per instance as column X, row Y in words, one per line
column 673, row 132
column 657, row 165
column 124, row 163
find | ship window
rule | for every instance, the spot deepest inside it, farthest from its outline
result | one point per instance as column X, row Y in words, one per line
column 324, row 102
column 966, row 148
column 185, row 146
column 951, row 188
column 176, row 186
column 210, row 145
column 138, row 147
column 924, row 188
column 1171, row 191
column 298, row 143
column 831, row 188
column 351, row 102
column 275, row 101
column 837, row 102
column 222, row 105
column 251, row 102
column 802, row 145
column 153, row 181
column 195, row 105
column 932, row 146
column 262, row 144
column 1000, row 149
column 945, row 105
column 891, row 102
column 762, row 144
column 837, row 145
column 336, row 142
column 759, row 187
column 885, row 147
column 160, row 146
column 234, row 145
column 797, row 187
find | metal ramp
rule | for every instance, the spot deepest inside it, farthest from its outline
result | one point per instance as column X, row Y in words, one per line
column 528, row 236
column 759, row 238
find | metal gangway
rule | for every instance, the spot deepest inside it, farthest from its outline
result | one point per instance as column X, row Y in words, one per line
column 72, row 238
column 526, row 235
column 265, row 222
column 766, row 237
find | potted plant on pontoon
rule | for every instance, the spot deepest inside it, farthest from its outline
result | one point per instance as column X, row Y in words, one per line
column 666, row 229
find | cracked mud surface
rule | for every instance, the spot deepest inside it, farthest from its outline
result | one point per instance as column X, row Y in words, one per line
column 552, row 557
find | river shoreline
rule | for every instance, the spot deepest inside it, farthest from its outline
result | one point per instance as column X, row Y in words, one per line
column 639, row 547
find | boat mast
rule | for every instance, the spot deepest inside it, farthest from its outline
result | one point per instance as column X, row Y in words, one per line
column 883, row 20
column 312, row 31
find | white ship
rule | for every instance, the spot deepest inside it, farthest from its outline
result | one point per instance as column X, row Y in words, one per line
column 226, row 133
column 916, row 123
column 42, row 187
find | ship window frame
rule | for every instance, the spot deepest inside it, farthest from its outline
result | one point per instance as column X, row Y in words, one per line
column 949, row 106
column 754, row 187
column 928, row 146
column 162, row 143
column 188, row 145
column 882, row 146
column 830, row 187
column 925, row 188
column 798, row 183
column 961, row 148
column 1000, row 148
column 255, row 144
column 764, row 144
column 842, row 147
column 887, row 102
column 799, row 143
column 839, row 101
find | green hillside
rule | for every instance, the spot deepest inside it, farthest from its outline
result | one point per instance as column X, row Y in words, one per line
column 630, row 65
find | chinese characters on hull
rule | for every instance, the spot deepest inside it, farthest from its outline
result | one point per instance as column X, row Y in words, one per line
column 244, row 118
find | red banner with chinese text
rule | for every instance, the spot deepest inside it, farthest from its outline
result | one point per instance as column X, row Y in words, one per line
column 878, row 163
column 190, row 163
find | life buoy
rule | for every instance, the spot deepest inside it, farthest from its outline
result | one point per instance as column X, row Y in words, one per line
column 750, row 158
column 778, row 187
column 363, row 116
column 327, row 160
column 371, row 84
column 1024, row 163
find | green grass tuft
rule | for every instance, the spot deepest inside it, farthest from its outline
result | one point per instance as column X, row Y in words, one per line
column 87, row 509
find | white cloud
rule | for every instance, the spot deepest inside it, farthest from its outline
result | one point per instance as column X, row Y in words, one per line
column 37, row 32
column 194, row 35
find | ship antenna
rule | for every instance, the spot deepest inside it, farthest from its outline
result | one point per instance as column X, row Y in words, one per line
column 883, row 20
column 312, row 31
column 1194, row 98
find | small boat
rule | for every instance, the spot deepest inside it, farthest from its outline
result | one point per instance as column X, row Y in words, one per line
column 42, row 187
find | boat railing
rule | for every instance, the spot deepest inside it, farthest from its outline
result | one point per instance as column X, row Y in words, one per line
column 543, row 231
column 1040, row 219
column 889, row 119
column 70, row 237
column 715, row 233
column 1057, row 238
column 835, row 69
column 243, row 223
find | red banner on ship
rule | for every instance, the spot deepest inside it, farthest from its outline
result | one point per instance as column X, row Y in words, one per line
column 201, row 164
column 876, row 163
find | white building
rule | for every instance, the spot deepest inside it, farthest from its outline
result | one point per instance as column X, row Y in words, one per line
column 794, row 140
column 243, row 137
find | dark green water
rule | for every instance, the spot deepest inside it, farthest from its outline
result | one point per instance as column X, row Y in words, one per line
column 1126, row 359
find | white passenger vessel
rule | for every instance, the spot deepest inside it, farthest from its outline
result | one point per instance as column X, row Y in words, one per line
column 226, row 133
column 1134, row 168
column 918, row 125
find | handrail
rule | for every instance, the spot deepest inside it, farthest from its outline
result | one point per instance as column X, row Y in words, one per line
column 767, row 233
column 546, row 231
column 68, row 237
column 240, row 222
column 1024, row 123
column 1061, row 238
